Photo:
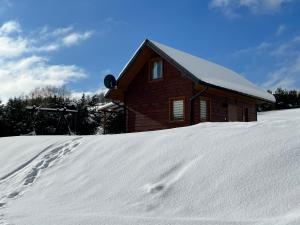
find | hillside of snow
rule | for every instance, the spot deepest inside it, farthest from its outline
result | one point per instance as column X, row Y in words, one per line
column 210, row 173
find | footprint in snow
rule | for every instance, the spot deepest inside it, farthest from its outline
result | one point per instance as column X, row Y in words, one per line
column 13, row 194
column 157, row 191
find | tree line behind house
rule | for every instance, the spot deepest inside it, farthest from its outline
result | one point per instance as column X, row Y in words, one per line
column 16, row 120
column 285, row 99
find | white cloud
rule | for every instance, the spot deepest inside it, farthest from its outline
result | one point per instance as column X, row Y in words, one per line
column 283, row 49
column 261, row 48
column 22, row 76
column 280, row 30
column 280, row 62
column 22, row 68
column 12, row 47
column 47, row 48
column 287, row 76
column 75, row 38
column 78, row 94
column 14, row 44
column 296, row 39
column 62, row 31
column 10, row 27
column 62, row 37
column 231, row 7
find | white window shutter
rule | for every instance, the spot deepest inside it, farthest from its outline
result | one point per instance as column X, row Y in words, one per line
column 178, row 109
column 203, row 110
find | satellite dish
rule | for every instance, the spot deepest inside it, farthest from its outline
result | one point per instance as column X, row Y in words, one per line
column 110, row 81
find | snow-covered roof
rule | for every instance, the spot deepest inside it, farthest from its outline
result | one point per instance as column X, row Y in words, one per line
column 212, row 73
column 111, row 106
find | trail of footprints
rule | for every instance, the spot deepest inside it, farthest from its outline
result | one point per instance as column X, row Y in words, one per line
column 29, row 174
column 48, row 160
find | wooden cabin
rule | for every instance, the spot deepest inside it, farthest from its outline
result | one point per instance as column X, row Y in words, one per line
column 162, row 87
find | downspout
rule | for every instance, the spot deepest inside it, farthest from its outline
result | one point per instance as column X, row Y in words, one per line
column 191, row 104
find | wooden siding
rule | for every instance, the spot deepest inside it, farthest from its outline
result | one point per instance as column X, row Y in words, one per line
column 148, row 101
column 219, row 101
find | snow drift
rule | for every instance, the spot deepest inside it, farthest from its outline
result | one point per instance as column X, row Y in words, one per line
column 211, row 173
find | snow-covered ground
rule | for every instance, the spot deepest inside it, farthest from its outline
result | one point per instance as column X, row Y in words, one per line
column 212, row 173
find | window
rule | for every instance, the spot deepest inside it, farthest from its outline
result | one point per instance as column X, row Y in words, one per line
column 177, row 109
column 204, row 110
column 156, row 69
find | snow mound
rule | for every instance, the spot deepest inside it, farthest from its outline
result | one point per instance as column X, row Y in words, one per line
column 210, row 173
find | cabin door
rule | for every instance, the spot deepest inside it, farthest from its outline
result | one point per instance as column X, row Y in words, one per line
column 232, row 112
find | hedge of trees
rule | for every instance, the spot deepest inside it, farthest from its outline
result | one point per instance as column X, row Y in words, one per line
column 15, row 119
column 285, row 99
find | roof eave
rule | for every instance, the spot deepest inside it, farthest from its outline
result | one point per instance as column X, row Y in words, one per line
column 236, row 92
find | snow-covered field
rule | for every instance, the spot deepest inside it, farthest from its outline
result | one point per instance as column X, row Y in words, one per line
column 213, row 173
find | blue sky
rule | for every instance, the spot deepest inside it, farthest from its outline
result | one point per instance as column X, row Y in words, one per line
column 76, row 42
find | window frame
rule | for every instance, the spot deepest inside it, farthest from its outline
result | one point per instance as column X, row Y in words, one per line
column 208, row 109
column 150, row 65
column 171, row 100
